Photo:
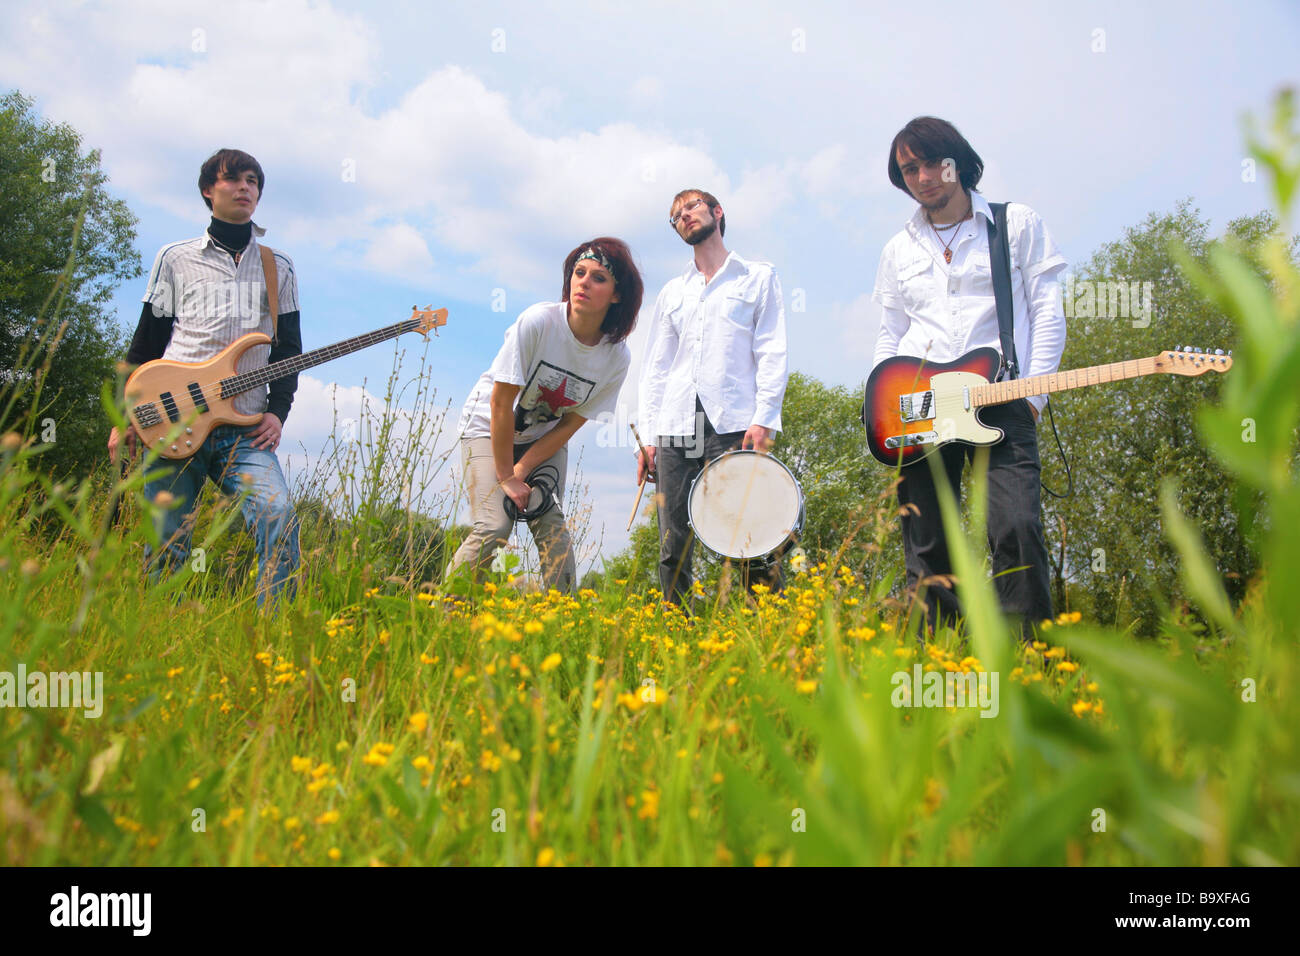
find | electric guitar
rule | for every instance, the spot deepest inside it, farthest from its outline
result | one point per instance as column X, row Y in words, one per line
column 913, row 407
column 175, row 405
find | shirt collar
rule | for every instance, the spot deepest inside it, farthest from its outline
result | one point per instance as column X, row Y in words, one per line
column 692, row 270
column 919, row 224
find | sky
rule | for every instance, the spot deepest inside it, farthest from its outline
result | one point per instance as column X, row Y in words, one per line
column 452, row 154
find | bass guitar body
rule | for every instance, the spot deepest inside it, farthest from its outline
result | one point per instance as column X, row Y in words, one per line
column 175, row 405
column 913, row 406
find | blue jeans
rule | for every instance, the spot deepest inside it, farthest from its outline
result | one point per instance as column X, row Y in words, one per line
column 229, row 458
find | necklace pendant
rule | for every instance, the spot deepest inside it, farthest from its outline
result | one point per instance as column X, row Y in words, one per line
column 947, row 256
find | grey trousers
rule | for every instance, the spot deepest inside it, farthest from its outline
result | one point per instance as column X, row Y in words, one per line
column 492, row 526
column 678, row 462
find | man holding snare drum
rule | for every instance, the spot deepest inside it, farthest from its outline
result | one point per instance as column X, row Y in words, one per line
column 714, row 377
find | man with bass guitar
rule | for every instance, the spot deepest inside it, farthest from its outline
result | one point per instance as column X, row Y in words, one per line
column 203, row 294
column 935, row 286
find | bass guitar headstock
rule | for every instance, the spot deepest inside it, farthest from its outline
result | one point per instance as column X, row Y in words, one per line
column 1185, row 360
column 428, row 319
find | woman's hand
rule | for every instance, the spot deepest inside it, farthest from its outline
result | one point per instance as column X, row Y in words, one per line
column 517, row 491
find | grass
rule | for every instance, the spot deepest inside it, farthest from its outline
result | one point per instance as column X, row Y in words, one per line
column 372, row 722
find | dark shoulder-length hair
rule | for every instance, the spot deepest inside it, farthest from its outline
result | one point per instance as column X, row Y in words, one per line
column 620, row 319
column 927, row 137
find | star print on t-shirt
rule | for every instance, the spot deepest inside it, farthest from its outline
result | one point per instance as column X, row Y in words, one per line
column 549, row 391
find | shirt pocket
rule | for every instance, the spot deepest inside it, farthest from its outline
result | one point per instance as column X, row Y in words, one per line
column 738, row 305
column 978, row 273
column 915, row 284
column 674, row 314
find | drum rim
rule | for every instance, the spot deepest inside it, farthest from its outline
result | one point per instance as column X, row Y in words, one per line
column 795, row 529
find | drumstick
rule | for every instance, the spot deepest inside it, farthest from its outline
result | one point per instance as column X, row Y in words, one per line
column 640, row 491
column 641, row 488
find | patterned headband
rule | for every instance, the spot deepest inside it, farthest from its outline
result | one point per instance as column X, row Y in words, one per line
column 591, row 253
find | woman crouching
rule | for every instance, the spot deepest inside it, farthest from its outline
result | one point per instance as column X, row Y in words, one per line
column 562, row 363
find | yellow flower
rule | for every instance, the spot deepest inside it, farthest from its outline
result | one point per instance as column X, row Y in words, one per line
column 328, row 817
column 1081, row 707
column 335, row 853
column 649, row 805
column 424, row 597
column 1068, row 666
column 300, row 764
column 383, row 637
column 534, row 627
column 417, row 722
column 292, row 823
column 546, row 857
column 552, row 661
column 421, row 763
column 806, row 686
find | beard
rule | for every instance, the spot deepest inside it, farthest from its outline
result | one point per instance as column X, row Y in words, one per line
column 703, row 232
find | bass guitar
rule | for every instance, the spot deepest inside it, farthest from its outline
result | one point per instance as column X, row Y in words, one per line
column 175, row 405
column 913, row 407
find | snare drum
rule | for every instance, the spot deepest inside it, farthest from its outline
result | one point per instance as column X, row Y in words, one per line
column 747, row 506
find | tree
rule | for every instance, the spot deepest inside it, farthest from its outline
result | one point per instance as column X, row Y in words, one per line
column 1109, row 553
column 49, row 184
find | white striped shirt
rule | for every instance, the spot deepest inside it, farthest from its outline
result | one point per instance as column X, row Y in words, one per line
column 214, row 302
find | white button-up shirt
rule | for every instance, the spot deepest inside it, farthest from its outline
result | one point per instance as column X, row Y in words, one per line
column 940, row 312
column 723, row 341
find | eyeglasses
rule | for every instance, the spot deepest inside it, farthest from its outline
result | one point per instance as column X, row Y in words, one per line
column 673, row 220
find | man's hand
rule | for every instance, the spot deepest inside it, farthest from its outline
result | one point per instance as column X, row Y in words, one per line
column 268, row 433
column 645, row 464
column 758, row 438
column 114, row 438
column 517, row 491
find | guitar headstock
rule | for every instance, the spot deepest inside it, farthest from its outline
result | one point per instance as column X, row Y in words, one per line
column 1185, row 360
column 428, row 318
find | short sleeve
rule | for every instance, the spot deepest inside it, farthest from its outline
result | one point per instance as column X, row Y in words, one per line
column 886, row 289
column 160, row 293
column 605, row 398
column 1035, row 252
column 519, row 348
column 287, row 280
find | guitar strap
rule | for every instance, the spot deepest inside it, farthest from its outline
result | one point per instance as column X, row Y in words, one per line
column 272, row 290
column 1000, row 264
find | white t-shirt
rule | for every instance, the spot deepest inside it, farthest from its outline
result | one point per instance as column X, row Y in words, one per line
column 556, row 374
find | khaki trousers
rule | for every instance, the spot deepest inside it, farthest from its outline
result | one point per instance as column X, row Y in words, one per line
column 492, row 526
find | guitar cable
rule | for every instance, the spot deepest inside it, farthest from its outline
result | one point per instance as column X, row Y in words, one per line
column 1069, row 477
column 544, row 478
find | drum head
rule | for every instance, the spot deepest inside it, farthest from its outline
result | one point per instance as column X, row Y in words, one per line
column 745, row 505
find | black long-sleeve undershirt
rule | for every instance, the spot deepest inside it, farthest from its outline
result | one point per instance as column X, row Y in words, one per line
column 154, row 331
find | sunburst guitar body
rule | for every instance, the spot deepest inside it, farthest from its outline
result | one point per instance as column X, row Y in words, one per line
column 913, row 407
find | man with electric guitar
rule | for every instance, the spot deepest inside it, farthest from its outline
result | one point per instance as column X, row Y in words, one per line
column 203, row 295
column 936, row 288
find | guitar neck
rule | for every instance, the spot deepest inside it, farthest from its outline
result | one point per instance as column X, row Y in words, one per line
column 269, row 373
column 998, row 393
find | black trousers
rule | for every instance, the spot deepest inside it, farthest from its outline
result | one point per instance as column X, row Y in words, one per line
column 679, row 460
column 1015, row 527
